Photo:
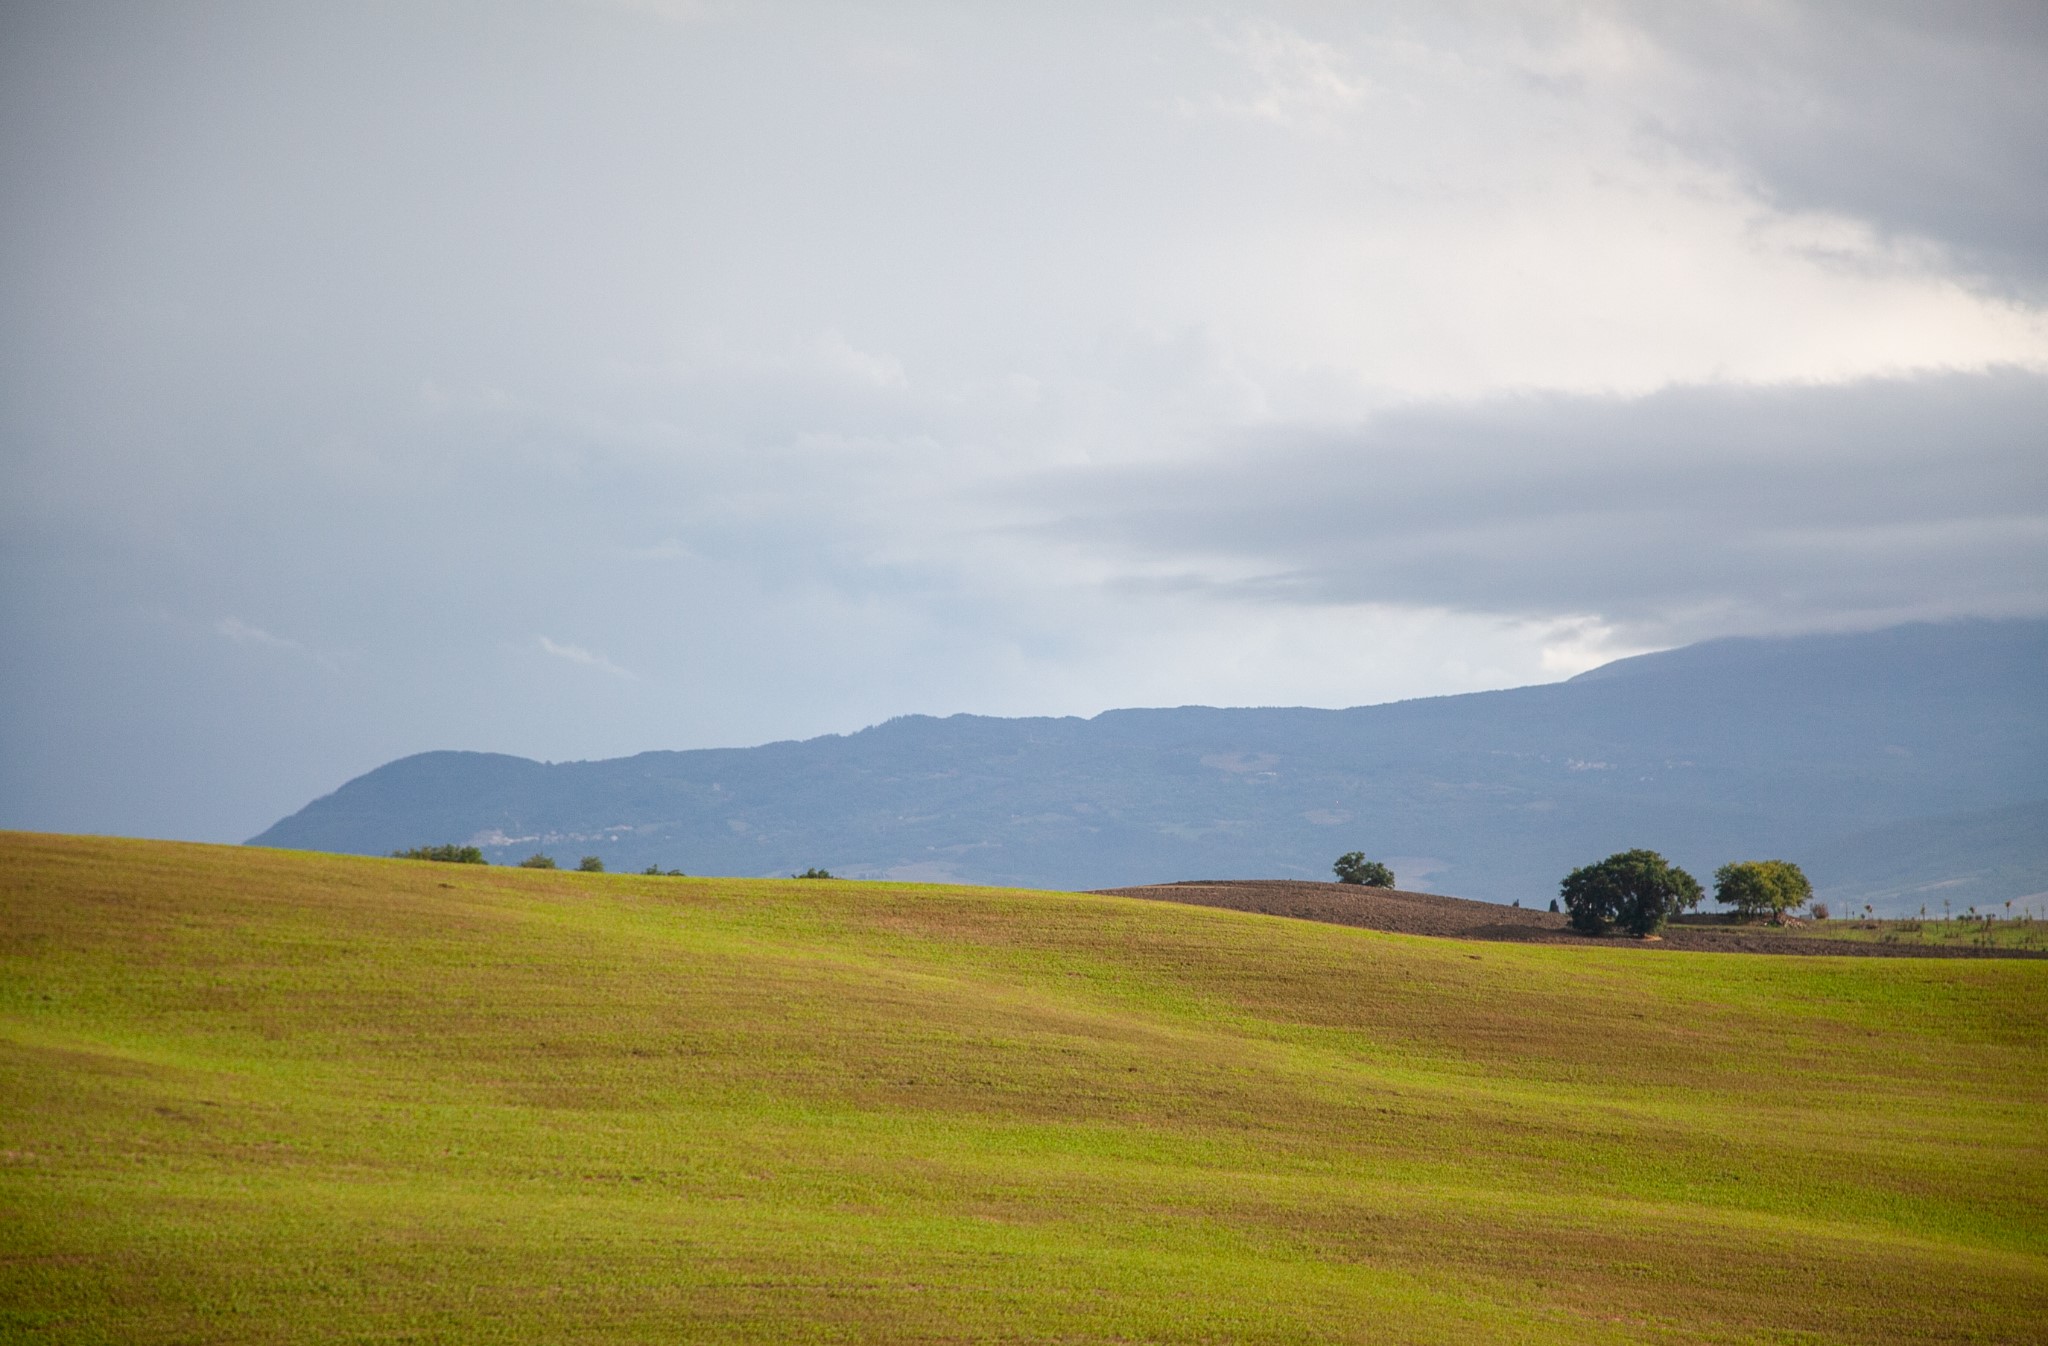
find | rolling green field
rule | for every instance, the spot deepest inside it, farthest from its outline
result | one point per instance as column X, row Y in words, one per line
column 2023, row 933
column 267, row 1096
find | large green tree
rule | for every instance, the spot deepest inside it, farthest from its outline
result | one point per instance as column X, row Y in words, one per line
column 1635, row 891
column 1353, row 867
column 1762, row 888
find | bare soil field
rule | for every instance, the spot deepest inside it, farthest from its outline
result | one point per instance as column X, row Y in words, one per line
column 1407, row 913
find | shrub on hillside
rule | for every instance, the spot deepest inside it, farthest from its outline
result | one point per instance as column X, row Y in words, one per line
column 537, row 861
column 658, row 872
column 590, row 864
column 449, row 854
column 1635, row 891
column 1762, row 888
column 1353, row 867
column 815, row 874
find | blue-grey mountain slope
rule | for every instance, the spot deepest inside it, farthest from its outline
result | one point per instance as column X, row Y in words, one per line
column 1895, row 764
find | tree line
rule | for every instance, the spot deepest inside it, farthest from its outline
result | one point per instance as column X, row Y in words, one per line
column 1638, row 891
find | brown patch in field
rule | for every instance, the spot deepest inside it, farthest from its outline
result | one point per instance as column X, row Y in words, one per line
column 1407, row 913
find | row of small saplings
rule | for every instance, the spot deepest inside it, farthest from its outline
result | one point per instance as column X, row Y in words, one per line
column 1638, row 891
column 471, row 855
column 589, row 864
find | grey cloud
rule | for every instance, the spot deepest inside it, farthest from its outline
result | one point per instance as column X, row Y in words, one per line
column 1692, row 512
column 576, row 654
column 242, row 633
column 1926, row 120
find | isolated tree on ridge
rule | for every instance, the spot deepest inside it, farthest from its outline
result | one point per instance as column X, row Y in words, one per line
column 1767, row 888
column 1353, row 867
column 1636, row 891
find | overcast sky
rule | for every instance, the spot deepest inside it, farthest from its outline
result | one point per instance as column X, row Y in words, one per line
column 577, row 379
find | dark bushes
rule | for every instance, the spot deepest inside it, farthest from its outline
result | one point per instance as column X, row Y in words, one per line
column 449, row 854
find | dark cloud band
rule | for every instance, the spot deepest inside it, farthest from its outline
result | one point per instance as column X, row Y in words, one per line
column 1689, row 512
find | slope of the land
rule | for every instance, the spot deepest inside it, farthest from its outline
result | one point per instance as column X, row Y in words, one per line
column 1434, row 914
column 256, row 1096
column 1738, row 749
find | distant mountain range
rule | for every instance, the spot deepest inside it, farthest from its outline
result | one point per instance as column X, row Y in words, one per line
column 1901, row 768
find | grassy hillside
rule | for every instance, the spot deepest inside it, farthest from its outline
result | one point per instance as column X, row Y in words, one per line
column 267, row 1096
column 2023, row 932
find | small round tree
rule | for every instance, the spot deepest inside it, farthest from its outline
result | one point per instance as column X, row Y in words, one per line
column 1762, row 888
column 1635, row 891
column 1353, row 867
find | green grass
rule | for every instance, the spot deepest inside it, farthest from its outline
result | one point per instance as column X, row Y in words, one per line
column 1996, row 932
column 2021, row 931
column 259, row 1096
